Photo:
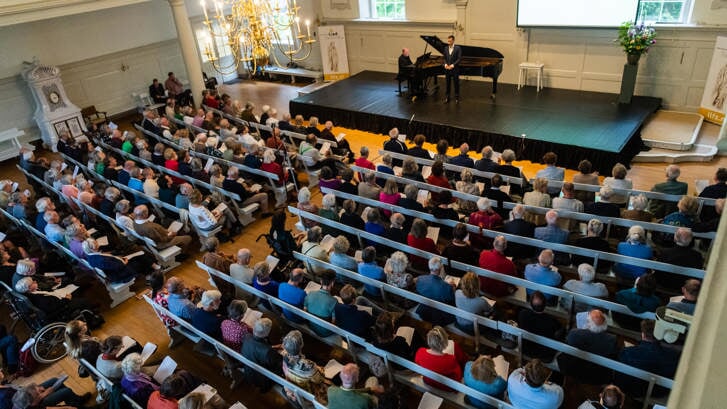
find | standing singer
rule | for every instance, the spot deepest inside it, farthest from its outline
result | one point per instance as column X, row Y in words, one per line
column 452, row 57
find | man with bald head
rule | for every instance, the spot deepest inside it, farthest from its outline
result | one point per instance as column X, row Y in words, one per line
column 682, row 254
column 292, row 293
column 542, row 273
column 347, row 396
column 661, row 208
column 591, row 338
column 463, row 159
column 241, row 271
column 495, row 260
column 552, row 233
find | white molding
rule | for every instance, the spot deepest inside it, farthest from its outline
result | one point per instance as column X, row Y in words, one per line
column 20, row 11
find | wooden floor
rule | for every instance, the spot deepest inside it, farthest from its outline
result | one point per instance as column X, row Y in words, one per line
column 135, row 318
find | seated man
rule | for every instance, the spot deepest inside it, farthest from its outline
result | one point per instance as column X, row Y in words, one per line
column 690, row 291
column 206, row 317
column 53, row 230
column 117, row 269
column 418, row 151
column 554, row 234
column 179, row 301
column 311, row 155
column 157, row 92
column 610, row 398
column 395, row 145
column 247, row 196
column 434, row 287
column 551, row 172
column 543, row 273
column 291, row 293
column 321, row 303
column 347, row 396
column 661, row 208
column 604, row 207
column 650, row 356
column 495, row 260
column 162, row 237
column 717, row 190
column 593, row 338
column 463, row 159
column 535, row 320
column 343, row 148
column 257, row 348
column 55, row 308
column 349, row 317
column 521, row 227
column 528, row 387
column 682, row 254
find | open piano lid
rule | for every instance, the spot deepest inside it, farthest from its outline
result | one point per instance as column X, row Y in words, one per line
column 467, row 50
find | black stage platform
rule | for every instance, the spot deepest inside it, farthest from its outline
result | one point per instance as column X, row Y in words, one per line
column 574, row 124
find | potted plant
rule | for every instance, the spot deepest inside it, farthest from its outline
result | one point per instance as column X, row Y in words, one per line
column 635, row 40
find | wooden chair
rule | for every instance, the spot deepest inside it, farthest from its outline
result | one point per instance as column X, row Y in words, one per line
column 92, row 116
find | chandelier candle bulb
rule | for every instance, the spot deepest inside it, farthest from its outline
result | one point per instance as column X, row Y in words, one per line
column 307, row 27
column 204, row 8
column 297, row 20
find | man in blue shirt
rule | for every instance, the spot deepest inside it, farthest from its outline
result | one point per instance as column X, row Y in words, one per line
column 291, row 293
column 369, row 269
column 463, row 159
column 528, row 388
column 551, row 172
column 541, row 272
column 434, row 287
column 553, row 234
column 178, row 301
column 321, row 303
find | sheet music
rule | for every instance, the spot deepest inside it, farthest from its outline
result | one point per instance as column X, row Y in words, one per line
column 406, row 332
column 165, row 369
column 91, row 231
column 149, row 349
column 358, row 256
column 238, row 405
column 312, row 287
column 102, row 241
column 423, row 197
column 272, row 262
column 327, row 243
column 175, row 226
column 430, row 401
column 325, row 148
column 450, row 348
column 332, row 368
column 209, row 164
column 426, row 172
column 206, row 390
column 251, row 316
column 340, row 137
column 126, row 343
column 220, row 208
column 433, row 233
column 369, row 310
column 480, row 186
column 452, row 280
column 132, row 255
column 502, row 366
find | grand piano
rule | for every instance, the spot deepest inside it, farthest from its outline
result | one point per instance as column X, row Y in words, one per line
column 476, row 61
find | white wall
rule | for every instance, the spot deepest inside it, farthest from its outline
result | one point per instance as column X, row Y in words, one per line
column 586, row 59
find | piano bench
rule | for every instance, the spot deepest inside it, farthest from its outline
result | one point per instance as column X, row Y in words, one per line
column 522, row 79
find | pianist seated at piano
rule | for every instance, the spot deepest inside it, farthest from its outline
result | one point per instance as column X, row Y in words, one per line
column 475, row 61
column 406, row 67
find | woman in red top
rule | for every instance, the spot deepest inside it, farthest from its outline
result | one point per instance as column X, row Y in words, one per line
column 270, row 165
column 418, row 239
column 441, row 359
column 438, row 178
column 171, row 162
column 485, row 217
column 389, row 195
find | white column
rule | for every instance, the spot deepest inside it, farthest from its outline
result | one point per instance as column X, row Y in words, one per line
column 701, row 377
column 189, row 49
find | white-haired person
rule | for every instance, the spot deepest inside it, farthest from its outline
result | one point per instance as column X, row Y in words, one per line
column 618, row 180
column 305, row 204
column 48, row 394
column 661, row 208
column 53, row 230
column 395, row 145
column 485, row 217
column 637, row 210
column 328, row 211
column 396, row 273
column 586, row 286
column 348, row 396
column 55, row 308
column 603, row 206
column 593, row 338
column 207, row 220
column 593, row 241
column 41, row 205
column 27, row 268
column 467, row 185
column 247, row 196
column 135, row 383
column 206, row 317
column 634, row 246
column 434, row 287
column 271, row 165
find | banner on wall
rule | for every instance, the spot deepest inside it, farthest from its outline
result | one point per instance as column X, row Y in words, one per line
column 714, row 100
column 333, row 52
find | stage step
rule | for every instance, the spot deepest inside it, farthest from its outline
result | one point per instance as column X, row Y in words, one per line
column 698, row 153
column 313, row 87
column 672, row 130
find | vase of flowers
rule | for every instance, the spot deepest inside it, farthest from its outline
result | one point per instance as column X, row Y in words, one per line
column 635, row 39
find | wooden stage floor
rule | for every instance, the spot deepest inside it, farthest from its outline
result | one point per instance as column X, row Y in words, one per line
column 574, row 124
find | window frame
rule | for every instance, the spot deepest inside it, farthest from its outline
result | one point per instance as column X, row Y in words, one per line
column 684, row 18
column 372, row 14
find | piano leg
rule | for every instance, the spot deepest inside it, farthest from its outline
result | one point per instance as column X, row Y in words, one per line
column 494, row 88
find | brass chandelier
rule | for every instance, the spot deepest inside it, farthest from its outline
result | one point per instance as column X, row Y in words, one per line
column 253, row 30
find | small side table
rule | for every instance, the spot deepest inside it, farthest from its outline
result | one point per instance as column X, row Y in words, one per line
column 522, row 79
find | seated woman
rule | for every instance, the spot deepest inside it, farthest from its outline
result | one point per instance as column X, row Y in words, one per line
column 328, row 210
column 385, row 337
column 438, row 178
column 418, row 239
column 233, row 329
column 108, row 204
column 467, row 185
column 396, row 230
column 638, row 299
column 135, row 383
column 634, row 246
column 538, row 197
column 312, row 247
column 389, row 195
column 80, row 344
column 467, row 298
column 75, row 236
column 686, row 216
column 328, row 179
column 123, row 220
column 108, row 363
column 32, row 396
column 117, row 269
column 302, row 371
column 395, row 270
column 481, row 376
column 485, row 217
column 272, row 166
column 203, row 218
column 173, row 388
column 460, row 249
column 305, row 205
column 351, row 218
column 384, row 167
column 284, row 243
column 263, row 282
column 410, row 170
column 435, row 359
column 339, row 257
column 375, row 226
column 26, row 268
column 443, row 211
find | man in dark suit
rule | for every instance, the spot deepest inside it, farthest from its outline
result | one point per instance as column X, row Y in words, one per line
column 452, row 57
column 494, row 193
column 395, row 145
column 157, row 93
column 718, row 190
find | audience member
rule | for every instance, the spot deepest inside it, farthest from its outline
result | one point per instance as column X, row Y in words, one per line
column 585, row 176
column 592, row 338
column 232, row 329
column 437, row 360
column 467, row 298
column 661, row 208
column 435, row 288
column 610, row 398
column 593, row 241
column 292, row 293
column 418, row 151
column 395, row 145
column 496, row 260
column 682, row 254
column 538, row 197
column 521, row 227
column 616, row 181
column 690, row 293
column 543, row 273
column 537, row 321
column 463, row 158
column 257, row 349
column 481, row 376
column 528, row 388
column 369, row 269
column 551, row 172
column 321, row 303
column 586, row 286
column 347, row 396
column 349, row 317
column 603, row 206
column 634, row 246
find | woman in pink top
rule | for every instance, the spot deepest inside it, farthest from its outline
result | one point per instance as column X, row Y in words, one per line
column 389, row 195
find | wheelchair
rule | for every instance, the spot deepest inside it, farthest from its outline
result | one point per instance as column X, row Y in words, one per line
column 49, row 345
